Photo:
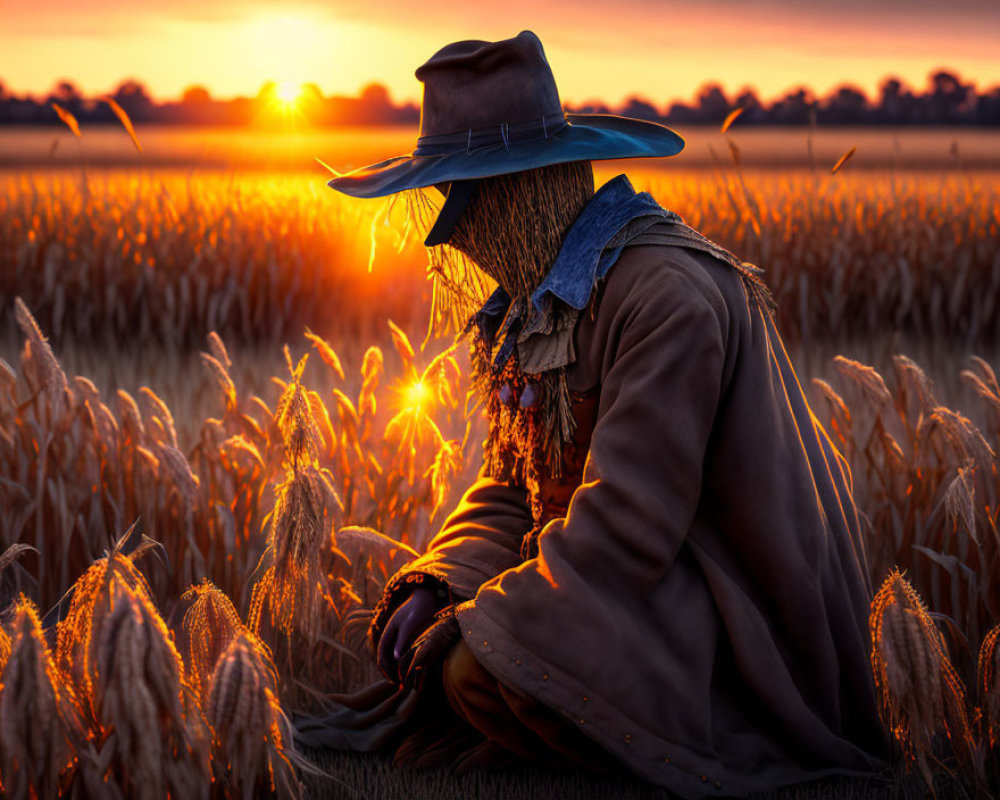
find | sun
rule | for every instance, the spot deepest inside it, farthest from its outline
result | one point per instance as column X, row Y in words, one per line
column 288, row 93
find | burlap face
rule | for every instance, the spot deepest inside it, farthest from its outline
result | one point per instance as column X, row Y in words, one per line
column 514, row 224
column 508, row 235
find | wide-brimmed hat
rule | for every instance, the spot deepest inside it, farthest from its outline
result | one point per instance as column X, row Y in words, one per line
column 492, row 108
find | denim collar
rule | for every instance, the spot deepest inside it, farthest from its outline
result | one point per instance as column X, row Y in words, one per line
column 588, row 251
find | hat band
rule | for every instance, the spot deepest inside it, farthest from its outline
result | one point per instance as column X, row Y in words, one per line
column 473, row 139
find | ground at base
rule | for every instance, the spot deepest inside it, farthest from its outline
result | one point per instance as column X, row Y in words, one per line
column 370, row 776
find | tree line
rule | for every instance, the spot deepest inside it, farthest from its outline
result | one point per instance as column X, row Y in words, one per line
column 947, row 99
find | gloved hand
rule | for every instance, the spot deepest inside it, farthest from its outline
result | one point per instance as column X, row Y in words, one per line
column 406, row 623
column 429, row 649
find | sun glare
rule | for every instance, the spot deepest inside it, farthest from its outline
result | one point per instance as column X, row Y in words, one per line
column 418, row 395
column 288, row 93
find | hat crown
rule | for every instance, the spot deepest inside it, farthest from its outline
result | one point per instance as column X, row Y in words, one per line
column 479, row 85
column 492, row 108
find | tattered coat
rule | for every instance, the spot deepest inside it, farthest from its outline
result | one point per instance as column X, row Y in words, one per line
column 699, row 607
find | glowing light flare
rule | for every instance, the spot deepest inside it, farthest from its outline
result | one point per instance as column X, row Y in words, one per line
column 413, row 401
column 418, row 396
column 288, row 93
column 283, row 101
column 282, row 44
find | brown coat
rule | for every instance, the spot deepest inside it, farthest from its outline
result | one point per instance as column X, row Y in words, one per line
column 701, row 608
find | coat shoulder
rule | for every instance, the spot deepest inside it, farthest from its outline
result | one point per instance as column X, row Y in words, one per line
column 671, row 277
column 647, row 287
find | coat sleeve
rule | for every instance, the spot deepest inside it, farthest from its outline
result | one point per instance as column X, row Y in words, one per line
column 661, row 386
column 480, row 539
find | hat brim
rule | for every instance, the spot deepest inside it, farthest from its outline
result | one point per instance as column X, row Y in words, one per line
column 587, row 137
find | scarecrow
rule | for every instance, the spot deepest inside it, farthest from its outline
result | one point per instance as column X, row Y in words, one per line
column 660, row 564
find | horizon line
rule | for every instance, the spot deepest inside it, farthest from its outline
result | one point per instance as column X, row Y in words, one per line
column 46, row 94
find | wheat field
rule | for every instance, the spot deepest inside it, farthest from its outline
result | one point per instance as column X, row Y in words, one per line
column 223, row 426
column 165, row 258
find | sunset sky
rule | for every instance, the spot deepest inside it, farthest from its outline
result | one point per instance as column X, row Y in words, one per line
column 661, row 49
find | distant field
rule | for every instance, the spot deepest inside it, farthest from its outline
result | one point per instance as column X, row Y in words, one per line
column 166, row 256
column 348, row 148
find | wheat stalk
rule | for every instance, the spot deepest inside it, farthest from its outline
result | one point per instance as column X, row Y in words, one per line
column 140, row 688
column 919, row 691
column 252, row 735
column 39, row 720
column 210, row 623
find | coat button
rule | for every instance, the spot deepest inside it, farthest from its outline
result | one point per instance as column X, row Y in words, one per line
column 666, row 760
column 628, row 738
column 585, row 698
column 704, row 778
column 545, row 677
column 517, row 661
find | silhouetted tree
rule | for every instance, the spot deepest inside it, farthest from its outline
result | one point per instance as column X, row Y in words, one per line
column 753, row 111
column 590, row 107
column 988, row 108
column 195, row 107
column 894, row 101
column 793, row 108
column 681, row 114
column 375, row 95
column 133, row 97
column 846, row 105
column 196, row 96
column 373, row 105
column 948, row 98
column 639, row 108
column 65, row 93
column 712, row 103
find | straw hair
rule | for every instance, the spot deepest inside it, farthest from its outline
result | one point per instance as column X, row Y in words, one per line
column 458, row 287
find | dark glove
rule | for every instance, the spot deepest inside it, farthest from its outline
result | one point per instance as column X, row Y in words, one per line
column 429, row 649
column 415, row 614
